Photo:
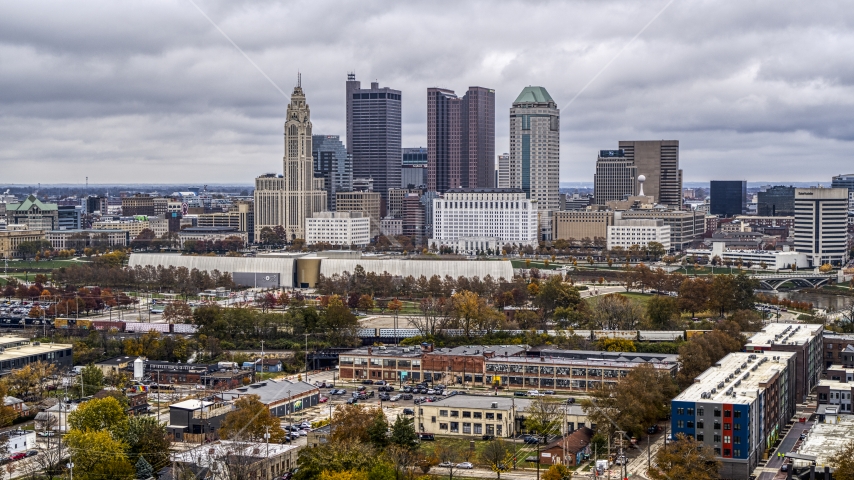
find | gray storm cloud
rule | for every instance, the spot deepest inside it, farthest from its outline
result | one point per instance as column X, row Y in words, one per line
column 151, row 92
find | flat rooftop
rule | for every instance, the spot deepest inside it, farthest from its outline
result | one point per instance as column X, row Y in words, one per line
column 598, row 355
column 785, row 334
column 271, row 391
column 735, row 378
column 504, row 403
column 825, row 439
column 573, row 362
column 480, row 350
column 27, row 350
column 414, row 352
column 207, row 455
column 835, row 384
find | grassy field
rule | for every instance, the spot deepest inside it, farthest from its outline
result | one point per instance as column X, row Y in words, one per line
column 467, row 454
column 21, row 265
column 643, row 298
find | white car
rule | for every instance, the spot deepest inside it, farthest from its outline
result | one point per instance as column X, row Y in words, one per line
column 303, row 433
column 394, row 398
column 466, row 465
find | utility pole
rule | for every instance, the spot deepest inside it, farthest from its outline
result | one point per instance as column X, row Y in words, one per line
column 306, row 357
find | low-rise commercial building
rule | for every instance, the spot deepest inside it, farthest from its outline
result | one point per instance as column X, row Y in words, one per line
column 196, row 420
column 282, row 397
column 133, row 227
column 11, row 239
column 773, row 259
column 210, row 234
column 626, row 233
column 805, row 340
column 16, row 352
column 838, row 349
column 392, row 364
column 478, row 415
column 686, row 227
column 338, row 228
column 369, row 203
column 464, row 364
column 80, row 239
column 738, row 408
column 252, row 460
column 581, row 224
column 34, row 213
column 835, row 392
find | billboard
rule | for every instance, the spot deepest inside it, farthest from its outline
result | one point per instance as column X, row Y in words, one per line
column 254, row 279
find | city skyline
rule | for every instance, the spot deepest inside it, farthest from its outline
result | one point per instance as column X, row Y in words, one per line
column 161, row 105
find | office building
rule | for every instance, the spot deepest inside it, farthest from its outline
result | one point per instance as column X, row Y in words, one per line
column 133, row 227
column 502, row 173
column 11, row 239
column 821, row 216
column 413, row 176
column 363, row 184
column 368, row 203
column 252, row 459
column 728, row 198
column 658, row 161
column 773, row 259
column 373, row 134
column 625, row 233
column 460, row 139
column 33, row 213
column 500, row 213
column 838, row 349
column 80, row 239
column 686, row 227
column 843, row 181
column 777, row 201
column 805, row 340
column 738, row 408
column 97, row 203
column 287, row 200
column 574, row 201
column 333, row 164
column 338, row 228
column 412, row 213
column 70, row 217
column 211, row 234
column 582, row 224
column 391, row 227
column 395, row 200
column 138, row 204
column 414, row 157
column 534, row 164
column 615, row 177
column 17, row 352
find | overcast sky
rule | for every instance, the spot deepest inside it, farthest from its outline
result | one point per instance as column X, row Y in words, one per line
column 133, row 91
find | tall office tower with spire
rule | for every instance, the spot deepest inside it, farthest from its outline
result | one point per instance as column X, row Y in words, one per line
column 658, row 161
column 460, row 139
column 534, row 164
column 287, row 200
column 373, row 134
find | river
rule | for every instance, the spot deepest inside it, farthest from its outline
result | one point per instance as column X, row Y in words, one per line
column 824, row 301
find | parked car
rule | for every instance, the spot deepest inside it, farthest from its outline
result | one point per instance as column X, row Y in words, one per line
column 18, row 456
column 352, row 401
column 653, row 429
column 519, row 394
column 406, row 396
column 323, row 400
column 368, row 382
column 32, row 453
column 784, row 467
column 427, row 437
column 408, row 411
column 466, row 465
column 489, row 437
column 445, row 465
column 380, row 382
column 384, row 397
column 362, row 388
column 621, row 460
column 395, row 398
column 530, row 440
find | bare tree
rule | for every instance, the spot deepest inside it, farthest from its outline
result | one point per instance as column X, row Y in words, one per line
column 52, row 453
column 448, row 458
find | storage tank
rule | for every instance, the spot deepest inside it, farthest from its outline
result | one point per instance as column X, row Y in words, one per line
column 138, row 368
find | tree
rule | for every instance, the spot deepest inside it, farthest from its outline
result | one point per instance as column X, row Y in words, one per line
column 661, row 312
column 843, row 462
column 100, row 414
column 403, row 432
column 655, row 250
column 543, row 418
column 144, row 240
column 378, row 430
column 685, row 458
column 826, row 268
column 366, row 303
column 97, row 455
column 144, row 469
column 27, row 382
column 351, row 422
column 250, row 420
column 146, row 435
column 616, row 312
column 616, row 345
column 702, row 351
column 497, row 457
column 448, row 457
column 694, row 295
column 178, row 312
column 722, row 293
column 92, row 378
column 630, row 404
column 558, row 472
column 554, row 293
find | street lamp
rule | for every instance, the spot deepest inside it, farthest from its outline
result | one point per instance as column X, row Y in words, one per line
column 71, row 469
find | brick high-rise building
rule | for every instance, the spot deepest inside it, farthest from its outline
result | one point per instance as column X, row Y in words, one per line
column 460, row 139
column 658, row 161
column 373, row 134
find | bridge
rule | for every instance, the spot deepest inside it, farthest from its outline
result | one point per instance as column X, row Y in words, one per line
column 772, row 281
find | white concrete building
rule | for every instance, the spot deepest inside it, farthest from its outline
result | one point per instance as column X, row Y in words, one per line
column 505, row 214
column 338, row 228
column 821, row 219
column 133, row 227
column 391, row 227
column 773, row 259
column 625, row 233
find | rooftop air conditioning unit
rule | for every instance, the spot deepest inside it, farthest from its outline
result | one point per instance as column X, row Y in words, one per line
column 494, row 404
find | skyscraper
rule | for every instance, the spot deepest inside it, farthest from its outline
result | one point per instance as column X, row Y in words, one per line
column 821, row 216
column 333, row 164
column 287, row 200
column 615, row 178
column 658, row 161
column 777, row 201
column 727, row 198
column 373, row 134
column 534, row 164
column 460, row 139
column 503, row 171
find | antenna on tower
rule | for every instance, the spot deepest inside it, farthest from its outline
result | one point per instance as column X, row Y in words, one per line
column 87, row 183
column 299, row 79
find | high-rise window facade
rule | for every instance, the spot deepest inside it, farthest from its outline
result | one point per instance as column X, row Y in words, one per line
column 821, row 216
column 727, row 198
column 373, row 133
column 658, row 161
column 534, row 164
column 333, row 164
column 777, row 201
column 615, row 177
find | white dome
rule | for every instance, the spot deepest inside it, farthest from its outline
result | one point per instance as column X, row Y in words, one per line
column 642, row 178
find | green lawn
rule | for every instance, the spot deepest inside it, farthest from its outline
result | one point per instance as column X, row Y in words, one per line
column 21, row 265
column 643, row 298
